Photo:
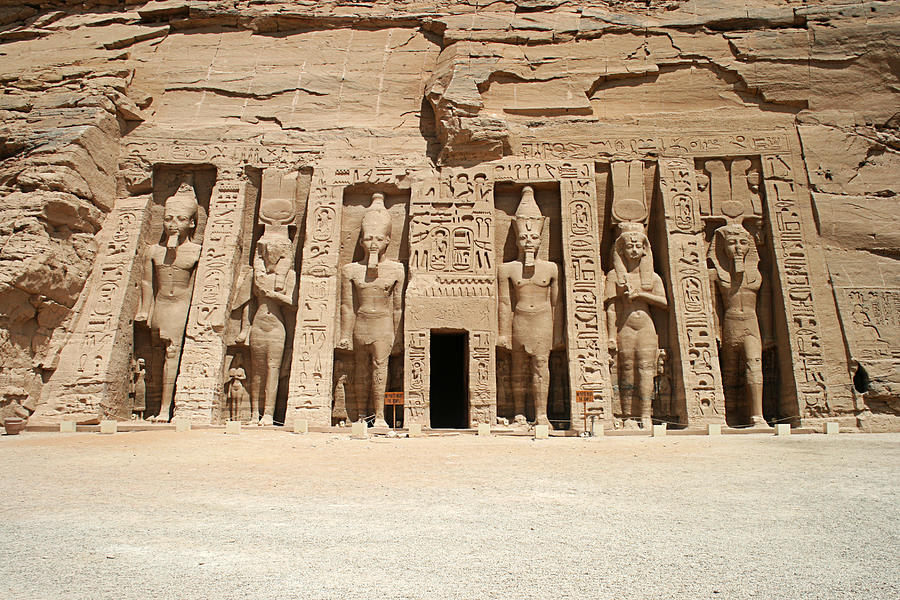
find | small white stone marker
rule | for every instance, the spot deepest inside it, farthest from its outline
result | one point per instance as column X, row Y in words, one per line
column 301, row 426
column 783, row 429
column 232, row 427
column 484, row 430
column 108, row 427
column 830, row 428
column 415, row 430
column 541, row 432
column 67, row 426
column 659, row 430
column 182, row 425
column 359, row 431
column 714, row 429
column 598, row 430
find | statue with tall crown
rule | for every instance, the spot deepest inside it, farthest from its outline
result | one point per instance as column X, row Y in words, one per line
column 529, row 291
column 735, row 270
column 274, row 284
column 168, row 283
column 632, row 287
column 371, row 309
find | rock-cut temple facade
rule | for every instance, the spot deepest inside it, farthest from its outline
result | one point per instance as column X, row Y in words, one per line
column 573, row 214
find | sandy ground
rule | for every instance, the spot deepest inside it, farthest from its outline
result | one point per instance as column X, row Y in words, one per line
column 269, row 514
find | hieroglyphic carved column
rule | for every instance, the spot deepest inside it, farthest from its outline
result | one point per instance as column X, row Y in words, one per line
column 416, row 374
column 199, row 387
column 585, row 321
column 700, row 388
column 94, row 367
column 789, row 231
column 312, row 363
column 482, row 378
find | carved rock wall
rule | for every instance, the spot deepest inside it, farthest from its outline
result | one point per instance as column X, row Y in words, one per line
column 96, row 95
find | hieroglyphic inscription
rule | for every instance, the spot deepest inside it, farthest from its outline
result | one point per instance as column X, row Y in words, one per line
column 694, row 144
column 788, row 239
column 693, row 308
column 95, row 361
column 871, row 317
column 309, row 392
column 417, row 379
column 199, row 387
column 156, row 150
column 482, row 378
column 588, row 358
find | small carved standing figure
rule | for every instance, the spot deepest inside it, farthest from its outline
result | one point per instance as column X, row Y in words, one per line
column 371, row 308
column 631, row 288
column 139, row 387
column 236, row 393
column 167, row 285
column 735, row 261
column 529, row 290
column 273, row 287
column 339, row 411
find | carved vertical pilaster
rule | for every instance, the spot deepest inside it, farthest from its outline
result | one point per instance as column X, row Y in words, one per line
column 695, row 355
column 788, row 227
column 417, row 378
column 585, row 319
column 199, row 386
column 312, row 363
column 94, row 367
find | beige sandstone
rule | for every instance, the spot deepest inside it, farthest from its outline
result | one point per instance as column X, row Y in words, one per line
column 714, row 226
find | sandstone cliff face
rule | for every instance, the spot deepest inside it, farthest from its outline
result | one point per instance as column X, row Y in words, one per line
column 434, row 83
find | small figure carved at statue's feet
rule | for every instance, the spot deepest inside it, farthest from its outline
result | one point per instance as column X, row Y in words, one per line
column 380, row 423
column 266, row 420
column 757, row 422
column 630, row 424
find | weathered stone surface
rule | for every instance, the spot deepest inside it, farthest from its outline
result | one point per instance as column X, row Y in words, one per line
column 450, row 110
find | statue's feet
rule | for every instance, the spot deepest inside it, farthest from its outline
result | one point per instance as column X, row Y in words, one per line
column 160, row 418
column 647, row 423
column 266, row 420
column 630, row 424
column 520, row 420
column 757, row 422
column 380, row 422
column 543, row 420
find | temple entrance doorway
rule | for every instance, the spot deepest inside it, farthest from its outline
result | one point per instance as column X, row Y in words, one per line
column 449, row 380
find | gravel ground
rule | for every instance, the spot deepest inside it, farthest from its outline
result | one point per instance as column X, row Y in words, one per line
column 268, row 514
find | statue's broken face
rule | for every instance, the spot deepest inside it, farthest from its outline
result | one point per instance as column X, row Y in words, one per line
column 178, row 219
column 273, row 253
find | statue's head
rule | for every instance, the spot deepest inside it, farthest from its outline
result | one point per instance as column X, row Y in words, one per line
column 273, row 251
column 733, row 252
column 180, row 213
column 736, row 243
column 376, row 230
column 633, row 246
column 529, row 226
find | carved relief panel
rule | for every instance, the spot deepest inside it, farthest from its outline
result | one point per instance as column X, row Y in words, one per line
column 699, row 388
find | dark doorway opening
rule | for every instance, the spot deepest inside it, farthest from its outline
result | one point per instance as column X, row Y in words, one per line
column 449, row 381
